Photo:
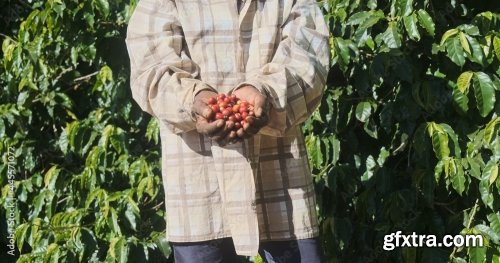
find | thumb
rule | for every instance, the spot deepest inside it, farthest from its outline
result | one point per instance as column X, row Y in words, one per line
column 261, row 107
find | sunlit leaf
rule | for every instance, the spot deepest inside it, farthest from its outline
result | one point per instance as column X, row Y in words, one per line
column 426, row 22
column 484, row 92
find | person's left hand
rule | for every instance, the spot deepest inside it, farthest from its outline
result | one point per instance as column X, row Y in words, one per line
column 260, row 107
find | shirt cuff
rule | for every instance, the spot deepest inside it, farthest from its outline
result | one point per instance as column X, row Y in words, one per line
column 256, row 84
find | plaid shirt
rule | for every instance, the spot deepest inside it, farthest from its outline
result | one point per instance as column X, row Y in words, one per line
column 260, row 189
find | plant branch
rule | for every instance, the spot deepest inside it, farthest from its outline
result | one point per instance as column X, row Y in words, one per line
column 157, row 206
column 471, row 218
column 86, row 77
column 64, row 71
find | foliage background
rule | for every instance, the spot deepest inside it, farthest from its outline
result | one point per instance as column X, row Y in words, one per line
column 406, row 137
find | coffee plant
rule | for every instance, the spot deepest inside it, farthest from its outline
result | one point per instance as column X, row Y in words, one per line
column 406, row 137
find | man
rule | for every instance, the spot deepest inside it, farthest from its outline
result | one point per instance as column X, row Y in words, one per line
column 241, row 192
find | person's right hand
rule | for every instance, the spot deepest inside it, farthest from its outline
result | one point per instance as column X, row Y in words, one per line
column 217, row 130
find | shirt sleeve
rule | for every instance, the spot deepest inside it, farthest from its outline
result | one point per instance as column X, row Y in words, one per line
column 164, row 80
column 295, row 78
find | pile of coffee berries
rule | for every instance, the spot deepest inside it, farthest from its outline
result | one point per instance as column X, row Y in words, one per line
column 234, row 111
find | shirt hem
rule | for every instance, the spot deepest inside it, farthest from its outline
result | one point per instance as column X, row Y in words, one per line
column 225, row 235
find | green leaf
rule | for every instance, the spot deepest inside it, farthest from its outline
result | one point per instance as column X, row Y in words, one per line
column 51, row 177
column 163, row 245
column 464, row 42
column 119, row 250
column 463, row 81
column 373, row 19
column 20, row 234
column 458, row 179
column 74, row 56
column 89, row 18
column 491, row 169
column 52, row 254
column 313, row 144
column 371, row 128
column 410, row 23
column 484, row 92
column 493, row 173
column 477, row 254
column 146, row 185
column 496, row 46
column 451, row 133
column 2, row 129
column 153, row 130
column 494, row 219
column 371, row 165
column 336, row 149
column 131, row 217
column 105, row 74
column 477, row 51
column 358, row 18
column 455, row 51
column 112, row 221
column 404, row 7
column 372, row 4
column 439, row 140
column 448, row 34
column 38, row 204
column 383, row 156
column 392, row 37
column 491, row 130
column 426, row 22
column 470, row 30
column 488, row 232
column 363, row 111
column 461, row 100
column 103, row 7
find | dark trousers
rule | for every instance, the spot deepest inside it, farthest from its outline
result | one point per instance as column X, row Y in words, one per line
column 222, row 251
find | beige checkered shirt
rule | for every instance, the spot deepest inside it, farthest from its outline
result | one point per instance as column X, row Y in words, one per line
column 260, row 189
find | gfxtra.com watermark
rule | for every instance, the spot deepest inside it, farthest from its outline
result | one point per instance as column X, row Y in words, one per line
column 397, row 239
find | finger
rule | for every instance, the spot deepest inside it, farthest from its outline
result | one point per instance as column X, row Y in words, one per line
column 230, row 137
column 254, row 125
column 261, row 106
column 205, row 127
column 236, row 140
column 242, row 134
column 222, row 135
column 202, row 109
column 198, row 107
column 261, row 121
column 250, row 129
column 207, row 113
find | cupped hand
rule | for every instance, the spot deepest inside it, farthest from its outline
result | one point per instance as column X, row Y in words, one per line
column 260, row 108
column 218, row 130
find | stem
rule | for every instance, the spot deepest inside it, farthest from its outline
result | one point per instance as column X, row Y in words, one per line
column 471, row 218
column 6, row 36
column 473, row 214
column 64, row 71
column 86, row 77
column 157, row 206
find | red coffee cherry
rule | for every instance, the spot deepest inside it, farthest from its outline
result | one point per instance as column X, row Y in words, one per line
column 234, row 111
column 212, row 101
